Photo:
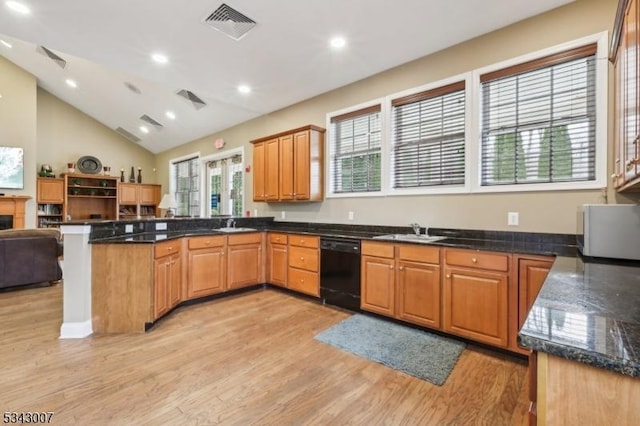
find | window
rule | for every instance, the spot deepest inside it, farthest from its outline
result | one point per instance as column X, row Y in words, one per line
column 225, row 186
column 429, row 138
column 539, row 120
column 187, row 187
column 355, row 145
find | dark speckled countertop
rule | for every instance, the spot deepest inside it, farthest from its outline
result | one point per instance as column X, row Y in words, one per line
column 588, row 311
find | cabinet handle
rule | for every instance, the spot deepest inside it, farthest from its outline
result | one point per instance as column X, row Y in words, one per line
column 615, row 176
column 474, row 260
column 390, row 266
column 169, row 248
column 617, row 161
column 302, row 259
column 401, row 268
column 448, row 276
column 207, row 243
column 301, row 241
column 302, row 281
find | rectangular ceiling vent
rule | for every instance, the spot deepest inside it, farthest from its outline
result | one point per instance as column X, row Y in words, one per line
column 128, row 135
column 230, row 22
column 55, row 58
column 151, row 121
column 193, row 98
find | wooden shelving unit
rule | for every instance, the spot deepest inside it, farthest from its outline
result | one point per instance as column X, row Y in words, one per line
column 50, row 200
column 90, row 197
column 138, row 200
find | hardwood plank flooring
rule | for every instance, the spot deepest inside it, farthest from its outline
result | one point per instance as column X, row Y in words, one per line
column 246, row 360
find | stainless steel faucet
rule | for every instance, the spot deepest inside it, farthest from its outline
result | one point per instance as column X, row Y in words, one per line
column 231, row 223
column 416, row 228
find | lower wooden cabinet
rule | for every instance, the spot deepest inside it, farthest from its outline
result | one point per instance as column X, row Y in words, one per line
column 303, row 272
column 402, row 281
column 244, row 264
column 206, row 266
column 277, row 259
column 167, row 277
column 476, row 295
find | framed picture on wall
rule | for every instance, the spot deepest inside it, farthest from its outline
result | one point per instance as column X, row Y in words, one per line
column 11, row 167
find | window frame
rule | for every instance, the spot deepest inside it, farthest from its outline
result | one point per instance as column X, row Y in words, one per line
column 172, row 174
column 204, row 185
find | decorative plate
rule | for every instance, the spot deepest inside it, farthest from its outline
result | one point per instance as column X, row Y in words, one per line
column 89, row 165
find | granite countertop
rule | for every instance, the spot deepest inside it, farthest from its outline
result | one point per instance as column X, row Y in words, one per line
column 589, row 312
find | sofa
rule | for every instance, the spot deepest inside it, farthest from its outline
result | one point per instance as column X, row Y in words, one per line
column 29, row 256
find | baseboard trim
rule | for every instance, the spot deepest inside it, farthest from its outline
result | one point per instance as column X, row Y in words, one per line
column 76, row 330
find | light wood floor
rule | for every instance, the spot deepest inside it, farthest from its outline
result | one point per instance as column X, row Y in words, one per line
column 249, row 359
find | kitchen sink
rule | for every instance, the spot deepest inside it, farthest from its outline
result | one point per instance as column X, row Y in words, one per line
column 231, row 230
column 410, row 237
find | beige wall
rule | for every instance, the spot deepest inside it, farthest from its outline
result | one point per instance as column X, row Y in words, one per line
column 18, row 125
column 65, row 134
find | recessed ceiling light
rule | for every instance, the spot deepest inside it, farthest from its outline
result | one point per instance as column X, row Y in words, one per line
column 243, row 88
column 6, row 44
column 160, row 58
column 71, row 83
column 143, row 129
column 338, row 42
column 18, row 7
column 170, row 115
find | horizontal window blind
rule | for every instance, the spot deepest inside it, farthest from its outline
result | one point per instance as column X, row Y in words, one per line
column 538, row 121
column 428, row 146
column 187, row 184
column 355, row 145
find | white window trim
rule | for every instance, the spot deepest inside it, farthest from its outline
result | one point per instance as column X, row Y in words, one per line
column 172, row 174
column 602, row 68
column 327, row 151
column 204, row 203
column 388, row 140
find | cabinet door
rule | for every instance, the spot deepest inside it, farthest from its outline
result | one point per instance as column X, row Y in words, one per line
column 259, row 172
column 272, row 154
column 377, row 285
column 50, row 191
column 630, row 33
column 419, row 293
column 128, row 193
column 206, row 272
column 243, row 268
column 476, row 305
column 149, row 195
column 175, row 283
column 162, row 277
column 301, row 166
column 287, row 166
column 531, row 276
column 278, row 264
column 304, row 281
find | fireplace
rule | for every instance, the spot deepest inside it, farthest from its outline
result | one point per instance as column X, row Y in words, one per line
column 6, row 221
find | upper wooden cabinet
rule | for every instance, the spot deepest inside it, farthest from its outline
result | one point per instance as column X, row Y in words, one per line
column 289, row 166
column 625, row 54
column 50, row 191
column 137, row 200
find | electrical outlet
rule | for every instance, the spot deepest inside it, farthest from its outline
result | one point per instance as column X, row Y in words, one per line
column 161, row 226
column 128, row 228
column 255, row 212
column 350, row 215
column 283, row 215
column 513, row 219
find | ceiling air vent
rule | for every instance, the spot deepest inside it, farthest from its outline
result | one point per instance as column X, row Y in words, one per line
column 151, row 121
column 132, row 87
column 230, row 22
column 55, row 58
column 193, row 98
column 128, row 135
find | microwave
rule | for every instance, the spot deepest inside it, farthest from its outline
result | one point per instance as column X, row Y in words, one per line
column 609, row 231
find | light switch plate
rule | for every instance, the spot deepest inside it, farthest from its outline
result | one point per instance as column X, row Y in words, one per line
column 128, row 228
column 513, row 219
column 350, row 215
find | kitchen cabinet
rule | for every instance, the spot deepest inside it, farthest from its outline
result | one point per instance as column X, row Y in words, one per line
column 245, row 261
column 476, row 295
column 206, row 266
column 138, row 200
column 167, row 289
column 50, row 200
column 277, row 259
column 402, row 281
column 624, row 53
column 294, row 161
column 304, row 264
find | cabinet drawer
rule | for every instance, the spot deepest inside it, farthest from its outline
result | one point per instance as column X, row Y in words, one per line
column 303, row 258
column 476, row 259
column 304, row 281
column 205, row 242
column 167, row 248
column 277, row 238
column 419, row 253
column 370, row 248
column 251, row 238
column 304, row 241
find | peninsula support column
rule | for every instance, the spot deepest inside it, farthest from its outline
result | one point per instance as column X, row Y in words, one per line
column 76, row 317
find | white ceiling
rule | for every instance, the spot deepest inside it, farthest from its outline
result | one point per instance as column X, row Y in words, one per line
column 286, row 58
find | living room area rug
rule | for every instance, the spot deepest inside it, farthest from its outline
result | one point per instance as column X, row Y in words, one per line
column 418, row 353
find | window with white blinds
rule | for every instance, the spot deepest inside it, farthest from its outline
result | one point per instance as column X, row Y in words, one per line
column 187, row 187
column 428, row 138
column 355, row 150
column 539, row 120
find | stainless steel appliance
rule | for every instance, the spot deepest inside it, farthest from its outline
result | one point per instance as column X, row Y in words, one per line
column 340, row 272
column 609, row 231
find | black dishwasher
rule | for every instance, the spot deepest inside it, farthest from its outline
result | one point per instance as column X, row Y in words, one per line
column 340, row 272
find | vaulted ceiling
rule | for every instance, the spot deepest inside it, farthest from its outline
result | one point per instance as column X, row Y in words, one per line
column 106, row 48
